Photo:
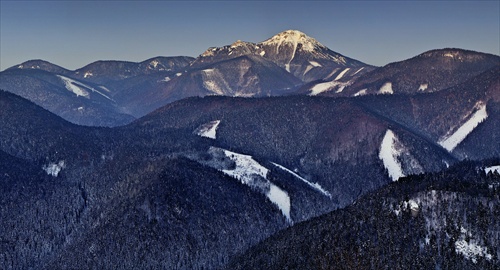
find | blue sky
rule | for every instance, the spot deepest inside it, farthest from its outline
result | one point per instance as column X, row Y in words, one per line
column 75, row 33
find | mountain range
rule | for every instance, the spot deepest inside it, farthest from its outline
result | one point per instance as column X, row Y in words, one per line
column 223, row 160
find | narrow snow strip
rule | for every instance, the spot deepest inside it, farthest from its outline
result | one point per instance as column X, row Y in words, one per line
column 209, row 130
column 386, row 88
column 294, row 51
column 389, row 156
column 341, row 74
column 309, row 67
column 104, row 88
column 78, row 88
column 450, row 142
column 281, row 199
column 315, row 64
column 492, row 169
column 331, row 74
column 315, row 186
column 341, row 88
column 358, row 71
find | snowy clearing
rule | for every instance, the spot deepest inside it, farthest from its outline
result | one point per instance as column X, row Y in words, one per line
column 54, row 168
column 246, row 166
column 389, row 155
column 208, row 130
column 449, row 142
column 73, row 87
column 315, row 186
column 281, row 199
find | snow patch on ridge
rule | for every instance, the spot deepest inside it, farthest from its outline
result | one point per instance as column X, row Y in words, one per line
column 361, row 92
column 208, row 130
column 315, row 186
column 453, row 138
column 389, row 155
column 386, row 88
column 326, row 86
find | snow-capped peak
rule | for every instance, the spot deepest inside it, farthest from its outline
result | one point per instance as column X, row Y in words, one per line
column 293, row 37
column 238, row 43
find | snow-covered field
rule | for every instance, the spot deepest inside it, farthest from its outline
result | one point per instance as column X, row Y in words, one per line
column 389, row 155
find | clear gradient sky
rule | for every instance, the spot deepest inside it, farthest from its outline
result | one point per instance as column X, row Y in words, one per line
column 75, row 33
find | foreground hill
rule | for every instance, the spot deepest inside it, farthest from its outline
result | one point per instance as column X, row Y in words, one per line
column 446, row 220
